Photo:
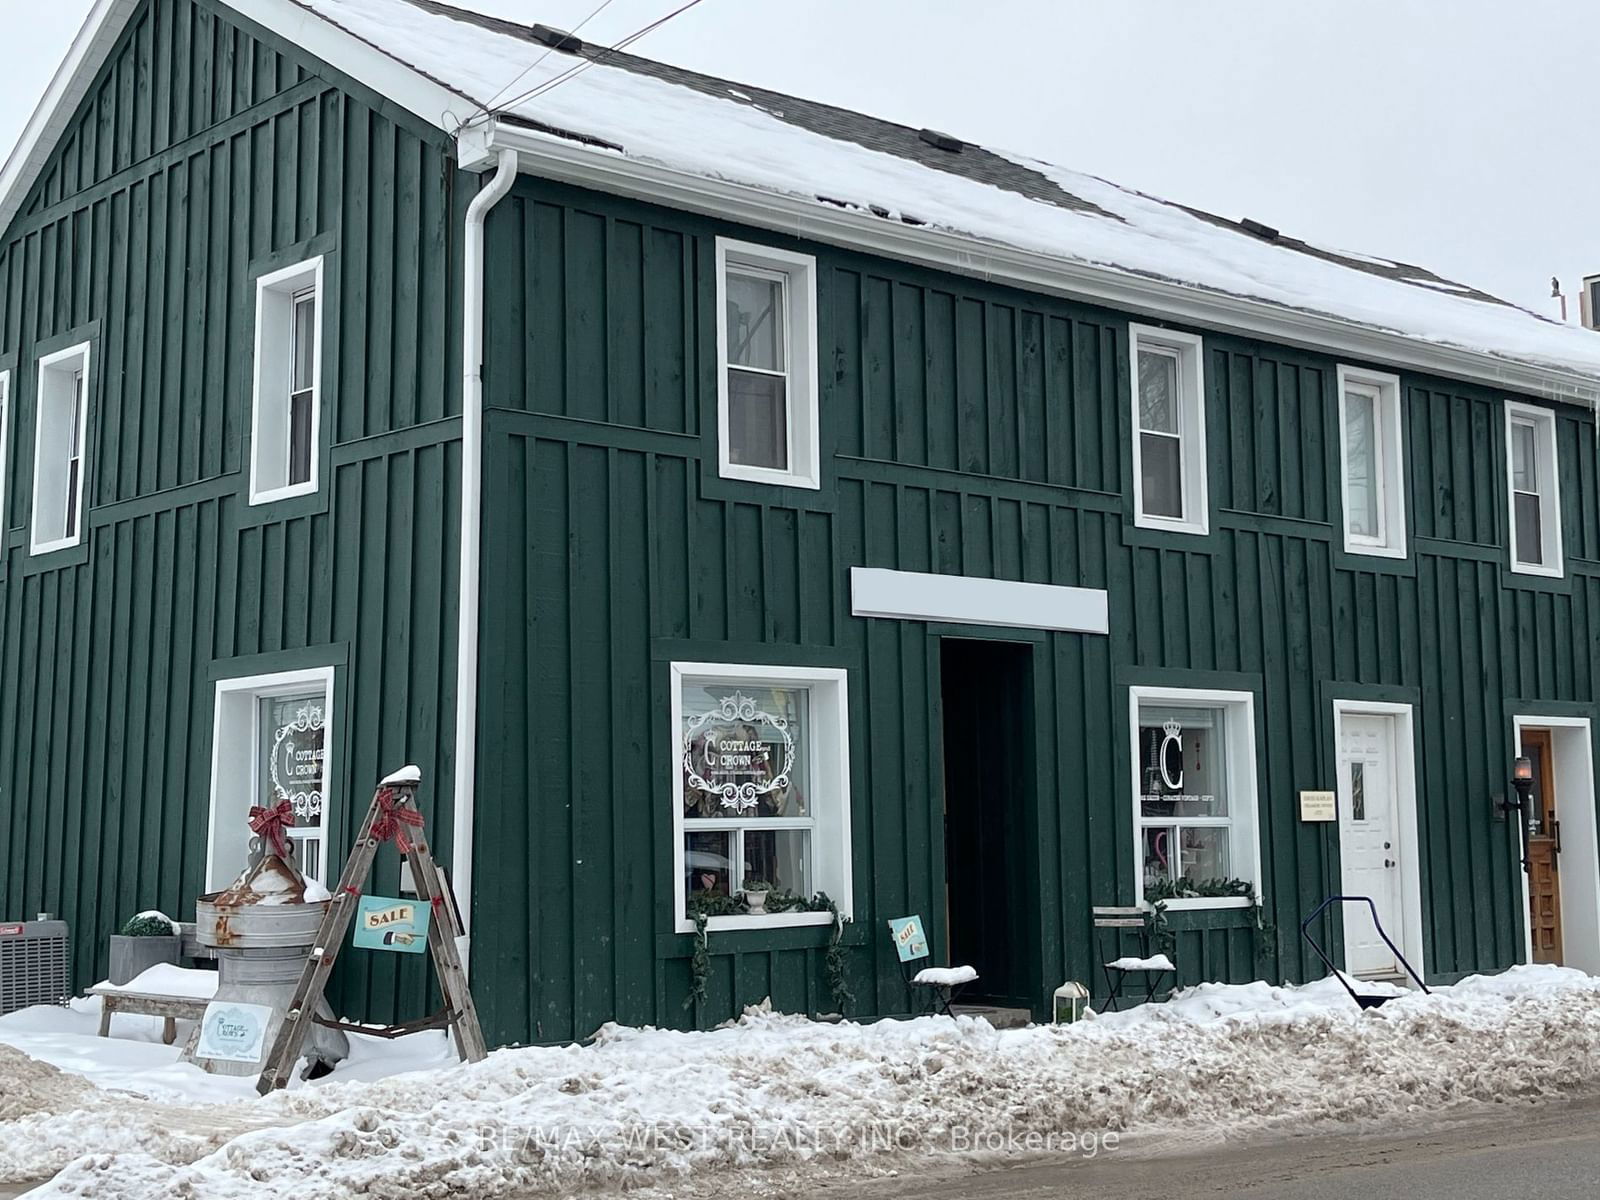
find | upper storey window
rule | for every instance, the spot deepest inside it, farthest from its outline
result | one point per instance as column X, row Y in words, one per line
column 1169, row 444
column 1534, row 500
column 61, row 430
column 286, row 398
column 1372, row 460
column 767, row 406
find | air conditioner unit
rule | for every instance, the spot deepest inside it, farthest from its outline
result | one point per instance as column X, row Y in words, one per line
column 33, row 964
column 1589, row 302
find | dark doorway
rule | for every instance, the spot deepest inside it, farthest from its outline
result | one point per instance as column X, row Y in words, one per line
column 990, row 854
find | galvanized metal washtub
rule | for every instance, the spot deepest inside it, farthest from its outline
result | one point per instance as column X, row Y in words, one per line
column 263, row 927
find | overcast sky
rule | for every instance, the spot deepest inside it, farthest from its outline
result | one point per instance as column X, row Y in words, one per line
column 1458, row 135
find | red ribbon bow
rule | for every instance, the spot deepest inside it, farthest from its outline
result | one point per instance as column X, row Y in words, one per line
column 391, row 819
column 270, row 824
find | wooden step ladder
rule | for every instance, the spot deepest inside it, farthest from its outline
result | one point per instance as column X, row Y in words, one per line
column 392, row 812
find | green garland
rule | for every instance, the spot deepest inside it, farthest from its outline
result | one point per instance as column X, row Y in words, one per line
column 703, row 906
column 1188, row 887
column 833, row 966
column 1162, row 890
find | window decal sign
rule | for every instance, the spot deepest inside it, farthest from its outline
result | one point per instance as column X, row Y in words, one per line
column 725, row 755
column 1163, row 769
column 294, row 764
column 397, row 925
column 1170, row 757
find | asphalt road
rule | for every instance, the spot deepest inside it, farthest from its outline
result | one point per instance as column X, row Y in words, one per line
column 1548, row 1151
column 1516, row 1149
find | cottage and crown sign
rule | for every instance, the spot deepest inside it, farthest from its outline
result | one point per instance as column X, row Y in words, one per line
column 294, row 765
column 725, row 755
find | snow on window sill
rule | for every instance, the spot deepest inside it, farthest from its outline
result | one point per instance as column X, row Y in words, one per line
column 766, row 475
column 289, row 491
column 54, row 544
column 1528, row 568
column 788, row 920
column 1374, row 549
column 1190, row 903
column 1170, row 524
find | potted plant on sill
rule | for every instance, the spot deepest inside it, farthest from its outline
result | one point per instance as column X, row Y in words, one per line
column 147, row 939
column 755, row 893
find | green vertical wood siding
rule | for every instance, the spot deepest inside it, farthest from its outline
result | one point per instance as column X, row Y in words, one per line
column 967, row 429
column 203, row 152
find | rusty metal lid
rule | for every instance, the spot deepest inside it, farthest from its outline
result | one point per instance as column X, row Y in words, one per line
column 269, row 881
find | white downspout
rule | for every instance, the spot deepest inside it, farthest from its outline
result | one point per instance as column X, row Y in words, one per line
column 471, row 535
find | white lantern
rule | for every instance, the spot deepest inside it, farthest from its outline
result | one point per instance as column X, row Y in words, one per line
column 1071, row 1000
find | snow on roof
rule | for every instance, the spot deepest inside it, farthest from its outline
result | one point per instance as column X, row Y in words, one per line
column 736, row 133
column 646, row 128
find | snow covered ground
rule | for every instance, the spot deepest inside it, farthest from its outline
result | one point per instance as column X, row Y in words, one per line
column 791, row 1099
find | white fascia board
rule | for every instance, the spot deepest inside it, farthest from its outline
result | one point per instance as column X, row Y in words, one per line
column 963, row 600
column 565, row 161
column 378, row 70
column 363, row 62
column 87, row 54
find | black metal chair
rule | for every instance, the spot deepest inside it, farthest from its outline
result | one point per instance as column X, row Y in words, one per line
column 940, row 984
column 1117, row 967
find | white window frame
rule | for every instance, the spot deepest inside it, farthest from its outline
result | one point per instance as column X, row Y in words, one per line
column 828, row 768
column 57, row 374
column 235, row 744
column 1189, row 349
column 1384, row 388
column 802, row 404
column 1544, row 422
column 272, row 378
column 5, row 449
column 1244, row 818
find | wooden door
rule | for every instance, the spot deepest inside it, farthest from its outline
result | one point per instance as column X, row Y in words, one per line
column 1544, row 876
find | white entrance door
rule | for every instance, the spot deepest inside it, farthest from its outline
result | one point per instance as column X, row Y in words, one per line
column 1369, row 846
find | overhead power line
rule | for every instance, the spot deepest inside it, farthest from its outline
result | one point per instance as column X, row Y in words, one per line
column 533, row 66
column 579, row 68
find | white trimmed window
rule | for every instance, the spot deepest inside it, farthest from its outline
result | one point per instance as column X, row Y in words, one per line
column 1372, row 462
column 767, row 396
column 61, row 430
column 761, row 792
column 272, row 741
column 1169, row 430
column 1534, row 499
column 5, row 446
column 1194, row 795
column 285, row 412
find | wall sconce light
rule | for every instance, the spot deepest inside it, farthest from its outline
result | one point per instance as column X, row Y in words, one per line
column 1522, row 803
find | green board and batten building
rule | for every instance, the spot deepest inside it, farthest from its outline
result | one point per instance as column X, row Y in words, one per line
column 997, row 644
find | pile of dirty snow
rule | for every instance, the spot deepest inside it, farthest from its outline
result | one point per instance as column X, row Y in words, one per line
column 780, row 1097
column 33, row 1087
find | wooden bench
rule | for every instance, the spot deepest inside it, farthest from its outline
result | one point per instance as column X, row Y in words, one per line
column 147, row 1004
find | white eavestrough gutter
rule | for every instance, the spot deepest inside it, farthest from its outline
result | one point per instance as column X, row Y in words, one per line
column 565, row 161
column 471, row 536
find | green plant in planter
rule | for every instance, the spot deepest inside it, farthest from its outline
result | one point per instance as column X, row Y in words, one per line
column 146, row 939
column 147, row 926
